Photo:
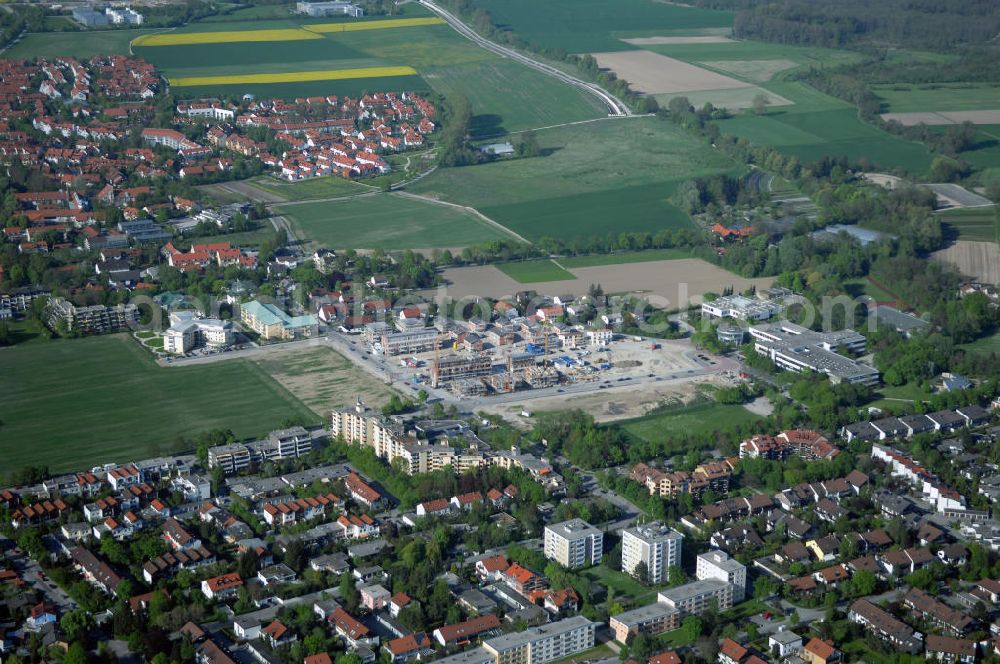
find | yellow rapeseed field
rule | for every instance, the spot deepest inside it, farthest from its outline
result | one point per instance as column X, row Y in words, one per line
column 293, row 76
column 374, row 25
column 188, row 38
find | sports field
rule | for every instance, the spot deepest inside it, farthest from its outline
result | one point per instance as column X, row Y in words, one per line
column 388, row 221
column 75, row 403
column 584, row 26
column 610, row 176
column 505, row 95
column 527, row 272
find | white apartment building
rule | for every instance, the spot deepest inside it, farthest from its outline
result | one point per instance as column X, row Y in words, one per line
column 546, row 643
column 718, row 565
column 655, row 544
column 188, row 331
column 698, row 596
column 574, row 543
column 363, row 426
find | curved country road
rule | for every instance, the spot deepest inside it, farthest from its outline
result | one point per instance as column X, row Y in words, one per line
column 615, row 106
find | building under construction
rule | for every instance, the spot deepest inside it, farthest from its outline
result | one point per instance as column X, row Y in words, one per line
column 459, row 366
column 539, row 377
column 468, row 387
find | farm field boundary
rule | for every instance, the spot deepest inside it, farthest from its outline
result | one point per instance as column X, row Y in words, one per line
column 294, row 77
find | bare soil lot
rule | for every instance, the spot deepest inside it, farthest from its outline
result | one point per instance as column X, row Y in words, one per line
column 655, row 41
column 323, row 379
column 884, row 179
column 979, row 260
column 945, row 117
column 666, row 283
column 616, row 403
column 652, row 73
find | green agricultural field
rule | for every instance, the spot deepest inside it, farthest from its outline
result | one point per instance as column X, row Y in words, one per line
column 902, row 98
column 972, row 224
column 390, row 222
column 571, row 262
column 819, row 125
column 322, row 187
column 505, row 96
column 74, row 403
column 532, row 272
column 754, row 61
column 588, row 26
column 610, row 176
column 83, row 44
column 696, row 419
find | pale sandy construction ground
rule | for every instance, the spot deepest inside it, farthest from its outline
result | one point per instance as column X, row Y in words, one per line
column 652, row 73
column 672, row 282
column 616, row 403
column 653, row 41
column 945, row 117
column 884, row 179
column 323, row 379
column 979, row 260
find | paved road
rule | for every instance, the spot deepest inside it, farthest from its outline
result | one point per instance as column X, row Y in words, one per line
column 615, row 106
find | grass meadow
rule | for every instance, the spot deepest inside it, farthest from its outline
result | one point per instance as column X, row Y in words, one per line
column 321, row 187
column 698, row 418
column 906, row 98
column 74, row 403
column 625, row 258
column 83, row 44
column 390, row 222
column 604, row 177
column 588, row 26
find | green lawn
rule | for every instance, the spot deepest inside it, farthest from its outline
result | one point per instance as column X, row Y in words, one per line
column 621, row 583
column 587, row 26
column 388, row 221
column 985, row 345
column 903, row 98
column 571, row 262
column 528, row 272
column 321, row 187
column 75, row 403
column 83, row 44
column 704, row 417
column 972, row 224
column 610, row 176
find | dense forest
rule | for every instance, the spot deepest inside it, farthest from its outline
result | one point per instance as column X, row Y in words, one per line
column 940, row 25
